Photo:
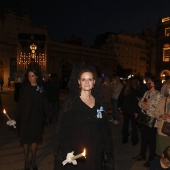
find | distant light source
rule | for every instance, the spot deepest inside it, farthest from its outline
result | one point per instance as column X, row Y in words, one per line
column 25, row 59
column 33, row 47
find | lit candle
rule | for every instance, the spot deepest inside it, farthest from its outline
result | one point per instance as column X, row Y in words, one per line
column 4, row 111
column 11, row 121
column 79, row 155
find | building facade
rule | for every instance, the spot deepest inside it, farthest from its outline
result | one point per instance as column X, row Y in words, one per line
column 10, row 45
column 130, row 52
column 17, row 34
column 163, row 48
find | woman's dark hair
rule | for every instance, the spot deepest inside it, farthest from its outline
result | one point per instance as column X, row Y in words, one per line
column 157, row 82
column 74, row 90
column 35, row 68
column 87, row 70
column 166, row 152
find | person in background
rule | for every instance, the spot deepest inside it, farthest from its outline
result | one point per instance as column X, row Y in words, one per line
column 83, row 123
column 1, row 83
column 162, row 113
column 162, row 163
column 148, row 135
column 31, row 107
column 116, row 89
column 129, row 107
column 164, row 84
column 52, row 88
column 142, row 87
column 107, row 92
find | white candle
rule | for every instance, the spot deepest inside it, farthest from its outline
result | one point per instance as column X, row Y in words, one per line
column 79, row 155
column 4, row 111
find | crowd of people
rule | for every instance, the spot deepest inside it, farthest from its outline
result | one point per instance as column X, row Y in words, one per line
column 134, row 98
column 83, row 122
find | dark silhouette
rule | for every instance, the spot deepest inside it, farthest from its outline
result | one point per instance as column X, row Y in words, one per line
column 1, row 83
column 52, row 88
column 31, row 107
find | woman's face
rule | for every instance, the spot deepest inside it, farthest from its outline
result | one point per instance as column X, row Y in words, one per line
column 150, row 84
column 32, row 78
column 86, row 81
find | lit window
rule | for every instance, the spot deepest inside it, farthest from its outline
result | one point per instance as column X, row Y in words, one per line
column 165, row 19
column 166, row 54
column 167, row 32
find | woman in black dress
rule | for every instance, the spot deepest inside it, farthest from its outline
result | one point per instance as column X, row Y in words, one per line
column 82, row 125
column 30, row 109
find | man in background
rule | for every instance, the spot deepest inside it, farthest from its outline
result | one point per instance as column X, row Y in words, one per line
column 116, row 89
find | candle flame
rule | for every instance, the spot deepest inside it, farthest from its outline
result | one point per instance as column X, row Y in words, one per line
column 4, row 111
column 84, row 153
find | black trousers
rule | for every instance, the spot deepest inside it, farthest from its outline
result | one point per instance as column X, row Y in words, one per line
column 148, row 140
column 129, row 118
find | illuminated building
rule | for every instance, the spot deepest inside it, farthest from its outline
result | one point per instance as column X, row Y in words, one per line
column 163, row 48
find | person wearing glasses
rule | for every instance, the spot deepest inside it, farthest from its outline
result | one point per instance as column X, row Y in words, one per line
column 163, row 162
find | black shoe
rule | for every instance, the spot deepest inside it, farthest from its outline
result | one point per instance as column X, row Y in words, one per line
column 147, row 163
column 139, row 158
column 26, row 166
column 33, row 167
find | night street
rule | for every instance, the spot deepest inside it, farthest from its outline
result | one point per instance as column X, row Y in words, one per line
column 12, row 158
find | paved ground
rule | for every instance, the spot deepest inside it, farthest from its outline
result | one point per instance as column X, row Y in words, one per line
column 11, row 155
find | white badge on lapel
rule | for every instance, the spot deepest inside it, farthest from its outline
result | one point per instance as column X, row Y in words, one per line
column 99, row 112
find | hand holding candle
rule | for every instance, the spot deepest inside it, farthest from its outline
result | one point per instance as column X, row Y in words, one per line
column 72, row 159
column 10, row 122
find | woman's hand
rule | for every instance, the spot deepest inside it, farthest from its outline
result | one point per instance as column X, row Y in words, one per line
column 165, row 116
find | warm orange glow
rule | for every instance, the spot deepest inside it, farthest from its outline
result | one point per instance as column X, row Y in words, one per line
column 4, row 111
column 79, row 155
column 165, row 19
column 84, row 153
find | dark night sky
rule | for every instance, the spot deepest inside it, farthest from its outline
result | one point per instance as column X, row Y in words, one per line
column 87, row 18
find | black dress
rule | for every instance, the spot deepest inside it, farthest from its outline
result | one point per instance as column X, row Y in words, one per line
column 30, row 113
column 82, row 129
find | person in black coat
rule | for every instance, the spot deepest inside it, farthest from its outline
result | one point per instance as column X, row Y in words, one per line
column 83, row 125
column 52, row 88
column 128, row 101
column 31, row 107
